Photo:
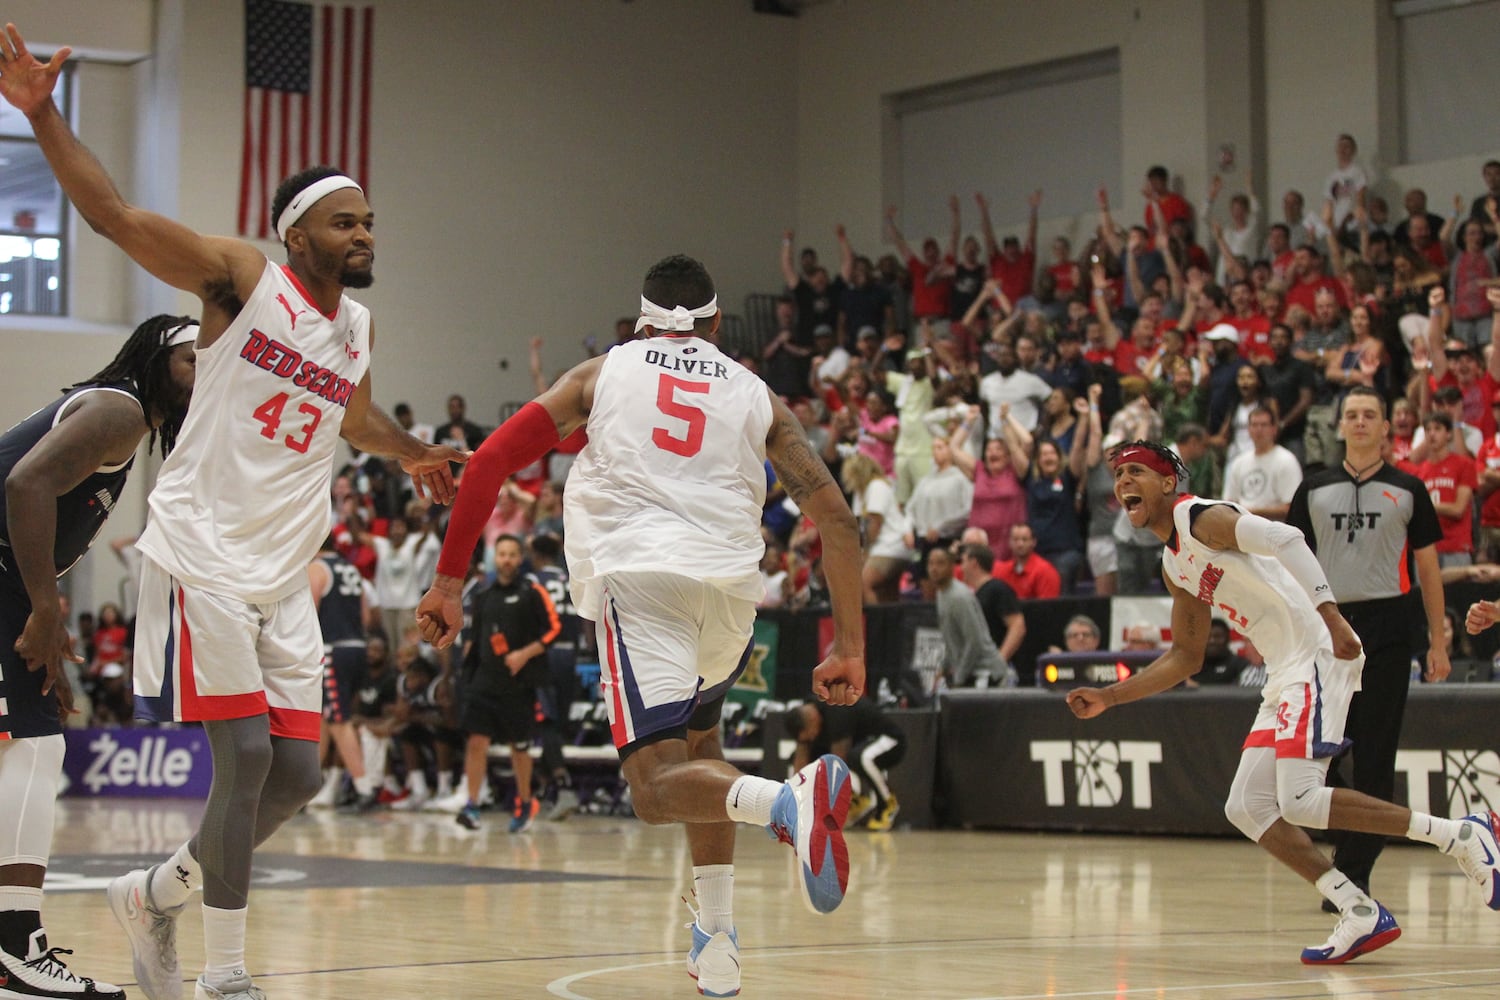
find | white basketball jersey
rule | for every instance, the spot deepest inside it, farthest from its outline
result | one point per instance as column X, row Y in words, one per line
column 241, row 505
column 1256, row 594
column 673, row 477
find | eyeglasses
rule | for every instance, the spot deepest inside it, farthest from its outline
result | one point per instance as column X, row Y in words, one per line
column 1078, row 635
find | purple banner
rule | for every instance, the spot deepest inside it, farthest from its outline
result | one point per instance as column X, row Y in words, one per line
column 155, row 763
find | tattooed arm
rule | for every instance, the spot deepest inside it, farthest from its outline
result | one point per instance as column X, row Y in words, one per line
column 841, row 677
column 1190, row 620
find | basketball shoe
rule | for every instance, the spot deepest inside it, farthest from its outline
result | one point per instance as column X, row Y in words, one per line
column 809, row 814
column 152, row 931
column 885, row 818
column 1477, row 853
column 525, row 814
column 714, row 959
column 239, row 987
column 468, row 817
column 860, row 806
column 42, row 974
column 1361, row 929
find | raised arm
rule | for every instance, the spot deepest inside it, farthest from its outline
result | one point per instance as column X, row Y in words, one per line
column 1033, row 208
column 1078, row 454
column 955, row 227
column 846, row 254
column 958, row 442
column 788, row 271
column 893, row 233
column 986, row 228
column 1331, row 241
column 1133, row 243
column 1107, row 231
column 840, row 678
column 1437, row 331
column 534, row 359
column 208, row 267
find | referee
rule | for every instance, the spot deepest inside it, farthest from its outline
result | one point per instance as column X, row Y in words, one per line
column 1371, row 525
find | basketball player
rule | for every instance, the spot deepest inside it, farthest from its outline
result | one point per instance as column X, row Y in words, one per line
column 1262, row 576
column 663, row 542
column 338, row 592
column 227, row 632
column 64, row 469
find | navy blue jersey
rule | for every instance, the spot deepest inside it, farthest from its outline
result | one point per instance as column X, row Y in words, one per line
column 80, row 511
column 339, row 609
column 554, row 580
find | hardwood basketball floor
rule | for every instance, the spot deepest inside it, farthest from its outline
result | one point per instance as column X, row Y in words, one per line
column 396, row 905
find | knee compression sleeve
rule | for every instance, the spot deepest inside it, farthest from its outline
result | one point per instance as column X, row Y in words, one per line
column 1252, row 804
column 29, row 772
column 226, row 835
column 1304, row 798
column 293, row 780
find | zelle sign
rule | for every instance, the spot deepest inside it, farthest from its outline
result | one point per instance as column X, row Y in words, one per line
column 150, row 766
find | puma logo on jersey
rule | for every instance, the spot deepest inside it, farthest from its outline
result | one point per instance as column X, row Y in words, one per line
column 288, row 307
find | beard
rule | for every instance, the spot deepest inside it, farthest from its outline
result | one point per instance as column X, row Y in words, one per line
column 326, row 262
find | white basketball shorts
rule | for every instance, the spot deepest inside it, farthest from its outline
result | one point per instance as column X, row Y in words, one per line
column 1303, row 708
column 203, row 657
column 667, row 642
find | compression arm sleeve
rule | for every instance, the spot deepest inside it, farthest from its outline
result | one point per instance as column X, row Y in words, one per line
column 515, row 444
column 1259, row 536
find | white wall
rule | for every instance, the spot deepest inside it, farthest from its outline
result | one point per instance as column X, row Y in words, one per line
column 530, row 160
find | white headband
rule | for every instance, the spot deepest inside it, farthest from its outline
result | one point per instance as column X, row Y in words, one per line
column 309, row 196
column 187, row 333
column 676, row 320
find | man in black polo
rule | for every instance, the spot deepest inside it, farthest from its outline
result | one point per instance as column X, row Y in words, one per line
column 1374, row 531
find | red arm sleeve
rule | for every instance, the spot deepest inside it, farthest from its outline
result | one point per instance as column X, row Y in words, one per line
column 515, row 444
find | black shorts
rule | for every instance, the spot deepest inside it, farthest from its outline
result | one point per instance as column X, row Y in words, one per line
column 24, row 711
column 502, row 705
column 343, row 671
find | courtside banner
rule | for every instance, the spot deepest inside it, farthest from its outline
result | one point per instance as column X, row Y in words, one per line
column 1020, row 760
column 137, row 762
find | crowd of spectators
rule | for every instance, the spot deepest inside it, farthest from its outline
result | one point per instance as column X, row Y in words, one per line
column 967, row 395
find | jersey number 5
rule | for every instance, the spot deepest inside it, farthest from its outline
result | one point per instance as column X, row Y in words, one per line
column 667, row 388
column 269, row 415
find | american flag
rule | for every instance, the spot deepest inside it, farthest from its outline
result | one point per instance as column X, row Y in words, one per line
column 307, row 98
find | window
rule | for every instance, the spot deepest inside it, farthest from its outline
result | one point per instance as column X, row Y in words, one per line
column 33, row 216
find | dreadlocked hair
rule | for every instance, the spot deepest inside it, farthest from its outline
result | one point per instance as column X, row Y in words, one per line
column 144, row 363
column 1161, row 451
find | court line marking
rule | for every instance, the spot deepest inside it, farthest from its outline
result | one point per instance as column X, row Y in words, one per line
column 563, row 987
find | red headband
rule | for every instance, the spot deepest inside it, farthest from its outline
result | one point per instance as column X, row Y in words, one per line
column 1144, row 456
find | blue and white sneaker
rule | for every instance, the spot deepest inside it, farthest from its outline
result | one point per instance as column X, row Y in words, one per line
column 714, row 960
column 1364, row 927
column 1477, row 852
column 809, row 814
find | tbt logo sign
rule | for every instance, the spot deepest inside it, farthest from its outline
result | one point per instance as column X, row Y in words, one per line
column 1099, row 769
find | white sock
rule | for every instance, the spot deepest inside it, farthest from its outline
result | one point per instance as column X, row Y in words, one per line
column 174, row 880
column 365, row 785
column 445, row 785
column 417, row 782
column 1440, row 833
column 714, row 887
column 750, row 799
column 223, row 943
column 20, row 897
column 1340, row 890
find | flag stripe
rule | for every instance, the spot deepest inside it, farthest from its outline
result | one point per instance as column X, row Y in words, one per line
column 366, row 51
column 307, row 100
